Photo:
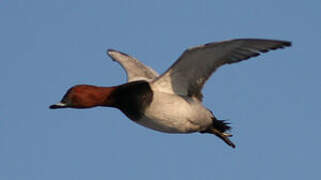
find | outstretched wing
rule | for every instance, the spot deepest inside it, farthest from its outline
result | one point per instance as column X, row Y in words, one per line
column 135, row 69
column 188, row 74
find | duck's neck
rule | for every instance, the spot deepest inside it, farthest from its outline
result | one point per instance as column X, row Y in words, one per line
column 103, row 96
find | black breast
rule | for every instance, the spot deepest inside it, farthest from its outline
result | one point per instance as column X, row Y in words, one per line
column 132, row 98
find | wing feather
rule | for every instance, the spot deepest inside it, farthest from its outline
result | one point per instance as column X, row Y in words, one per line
column 135, row 70
column 188, row 74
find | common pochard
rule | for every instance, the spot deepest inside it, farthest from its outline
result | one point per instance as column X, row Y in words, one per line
column 170, row 102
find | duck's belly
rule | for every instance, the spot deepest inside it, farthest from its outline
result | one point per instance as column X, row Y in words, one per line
column 174, row 114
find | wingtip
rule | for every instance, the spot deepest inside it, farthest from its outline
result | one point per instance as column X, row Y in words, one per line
column 282, row 45
column 111, row 51
column 287, row 43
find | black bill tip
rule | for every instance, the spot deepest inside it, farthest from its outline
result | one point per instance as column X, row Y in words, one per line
column 57, row 106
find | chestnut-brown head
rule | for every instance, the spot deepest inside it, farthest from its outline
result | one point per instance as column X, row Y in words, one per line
column 86, row 96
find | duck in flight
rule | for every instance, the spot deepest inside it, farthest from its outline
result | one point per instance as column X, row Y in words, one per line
column 170, row 102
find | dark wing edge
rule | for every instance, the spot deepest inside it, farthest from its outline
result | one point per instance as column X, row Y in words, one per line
column 246, row 49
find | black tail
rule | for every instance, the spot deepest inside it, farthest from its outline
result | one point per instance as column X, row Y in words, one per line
column 221, row 125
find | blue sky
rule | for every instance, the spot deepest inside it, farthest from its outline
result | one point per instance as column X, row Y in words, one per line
column 273, row 101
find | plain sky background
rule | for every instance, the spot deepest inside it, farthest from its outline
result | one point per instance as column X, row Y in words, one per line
column 273, row 101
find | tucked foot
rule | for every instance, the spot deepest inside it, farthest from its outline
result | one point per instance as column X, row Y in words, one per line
column 222, row 135
column 219, row 128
